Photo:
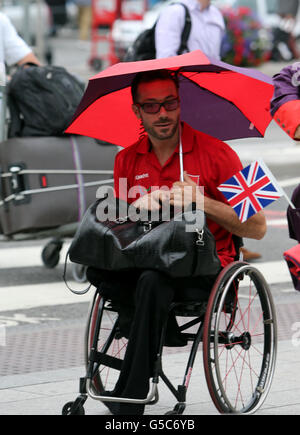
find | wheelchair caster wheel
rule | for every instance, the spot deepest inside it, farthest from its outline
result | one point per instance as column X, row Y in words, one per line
column 178, row 409
column 50, row 253
column 96, row 63
column 71, row 408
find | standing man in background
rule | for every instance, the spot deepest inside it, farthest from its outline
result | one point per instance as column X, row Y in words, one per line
column 59, row 17
column 206, row 34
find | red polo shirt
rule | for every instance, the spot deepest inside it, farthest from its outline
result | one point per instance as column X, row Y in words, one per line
column 207, row 160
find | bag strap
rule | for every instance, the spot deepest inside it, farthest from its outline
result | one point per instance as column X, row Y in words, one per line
column 186, row 30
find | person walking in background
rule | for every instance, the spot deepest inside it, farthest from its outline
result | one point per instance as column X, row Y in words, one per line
column 84, row 18
column 206, row 33
column 59, row 15
column 288, row 9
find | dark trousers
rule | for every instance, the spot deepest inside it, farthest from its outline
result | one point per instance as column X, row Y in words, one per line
column 147, row 296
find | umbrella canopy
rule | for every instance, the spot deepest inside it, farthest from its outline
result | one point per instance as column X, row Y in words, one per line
column 219, row 99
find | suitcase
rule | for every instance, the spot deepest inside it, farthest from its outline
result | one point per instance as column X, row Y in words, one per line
column 47, row 182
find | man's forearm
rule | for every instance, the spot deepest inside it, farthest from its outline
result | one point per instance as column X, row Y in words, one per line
column 225, row 216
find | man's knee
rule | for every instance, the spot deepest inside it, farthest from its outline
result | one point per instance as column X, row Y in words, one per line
column 155, row 285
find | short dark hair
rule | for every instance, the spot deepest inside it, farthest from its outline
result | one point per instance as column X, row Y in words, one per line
column 151, row 76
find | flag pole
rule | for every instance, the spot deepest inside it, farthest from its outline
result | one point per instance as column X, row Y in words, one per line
column 275, row 182
column 288, row 200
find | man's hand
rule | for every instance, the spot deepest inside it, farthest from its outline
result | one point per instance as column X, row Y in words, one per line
column 152, row 201
column 184, row 193
column 29, row 58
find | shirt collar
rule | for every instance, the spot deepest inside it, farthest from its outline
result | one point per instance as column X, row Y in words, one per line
column 144, row 146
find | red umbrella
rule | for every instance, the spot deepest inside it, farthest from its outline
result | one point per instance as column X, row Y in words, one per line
column 219, row 99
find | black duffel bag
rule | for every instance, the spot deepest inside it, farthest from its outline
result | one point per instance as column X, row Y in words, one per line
column 42, row 100
column 123, row 244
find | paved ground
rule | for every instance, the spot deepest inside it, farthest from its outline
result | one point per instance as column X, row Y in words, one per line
column 45, row 392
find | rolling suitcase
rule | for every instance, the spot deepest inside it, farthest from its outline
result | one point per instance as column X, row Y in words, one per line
column 47, row 182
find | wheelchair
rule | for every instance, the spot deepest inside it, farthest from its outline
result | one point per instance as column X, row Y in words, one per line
column 235, row 328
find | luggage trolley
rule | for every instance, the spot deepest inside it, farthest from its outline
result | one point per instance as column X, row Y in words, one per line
column 133, row 9
column 129, row 25
column 104, row 13
column 235, row 329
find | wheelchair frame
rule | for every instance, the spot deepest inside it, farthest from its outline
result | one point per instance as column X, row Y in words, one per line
column 217, row 322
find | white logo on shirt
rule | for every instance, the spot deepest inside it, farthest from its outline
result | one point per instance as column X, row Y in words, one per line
column 139, row 177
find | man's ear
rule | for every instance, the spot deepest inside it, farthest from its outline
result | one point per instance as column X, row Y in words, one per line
column 136, row 111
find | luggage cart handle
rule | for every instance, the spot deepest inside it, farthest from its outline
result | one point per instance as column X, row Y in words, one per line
column 17, row 182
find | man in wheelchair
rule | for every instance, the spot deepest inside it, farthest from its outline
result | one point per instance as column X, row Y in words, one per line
column 144, row 296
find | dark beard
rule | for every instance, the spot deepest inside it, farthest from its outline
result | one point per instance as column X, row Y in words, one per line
column 161, row 136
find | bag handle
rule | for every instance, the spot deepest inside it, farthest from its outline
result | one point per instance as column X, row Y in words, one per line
column 76, row 292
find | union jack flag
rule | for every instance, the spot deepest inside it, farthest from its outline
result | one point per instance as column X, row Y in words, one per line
column 251, row 190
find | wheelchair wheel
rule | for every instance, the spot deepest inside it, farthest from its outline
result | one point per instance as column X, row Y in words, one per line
column 239, row 340
column 109, row 341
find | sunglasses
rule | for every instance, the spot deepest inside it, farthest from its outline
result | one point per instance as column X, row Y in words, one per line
column 153, row 108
